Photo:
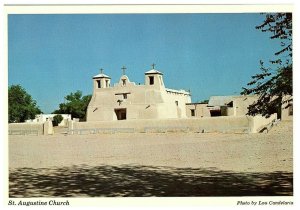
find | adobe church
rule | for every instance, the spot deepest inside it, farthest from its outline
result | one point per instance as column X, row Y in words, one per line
column 127, row 100
column 152, row 100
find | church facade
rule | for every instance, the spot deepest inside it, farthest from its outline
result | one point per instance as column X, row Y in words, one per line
column 127, row 100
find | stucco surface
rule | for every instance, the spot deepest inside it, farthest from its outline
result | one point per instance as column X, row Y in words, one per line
column 224, row 124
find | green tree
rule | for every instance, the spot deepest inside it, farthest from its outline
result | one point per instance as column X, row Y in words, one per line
column 275, row 80
column 75, row 104
column 21, row 106
column 204, row 101
column 57, row 119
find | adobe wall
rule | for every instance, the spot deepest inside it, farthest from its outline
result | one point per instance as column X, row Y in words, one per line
column 226, row 124
column 35, row 128
column 228, row 111
column 201, row 110
column 258, row 122
column 241, row 104
column 175, row 110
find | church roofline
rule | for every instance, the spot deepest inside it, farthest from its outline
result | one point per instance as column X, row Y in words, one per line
column 153, row 71
column 178, row 91
column 101, row 76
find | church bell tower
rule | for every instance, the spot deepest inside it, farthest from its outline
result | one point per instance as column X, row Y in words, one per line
column 154, row 78
column 101, row 80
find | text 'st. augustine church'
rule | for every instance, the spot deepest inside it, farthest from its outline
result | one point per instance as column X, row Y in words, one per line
column 127, row 100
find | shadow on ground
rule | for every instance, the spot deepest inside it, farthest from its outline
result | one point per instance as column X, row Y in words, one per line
column 139, row 181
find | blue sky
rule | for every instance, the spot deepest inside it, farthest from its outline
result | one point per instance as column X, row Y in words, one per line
column 210, row 54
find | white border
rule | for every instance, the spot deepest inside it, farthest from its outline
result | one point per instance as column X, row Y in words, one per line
column 80, row 9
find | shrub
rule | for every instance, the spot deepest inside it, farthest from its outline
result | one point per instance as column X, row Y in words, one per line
column 57, row 119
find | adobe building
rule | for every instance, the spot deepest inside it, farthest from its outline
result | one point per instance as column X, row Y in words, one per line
column 232, row 105
column 236, row 105
column 151, row 107
column 127, row 100
column 194, row 110
column 41, row 118
column 221, row 106
column 152, row 100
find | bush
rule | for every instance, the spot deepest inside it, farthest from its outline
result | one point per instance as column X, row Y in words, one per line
column 57, row 119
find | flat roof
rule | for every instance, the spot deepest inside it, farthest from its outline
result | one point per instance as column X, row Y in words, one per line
column 101, row 76
column 153, row 71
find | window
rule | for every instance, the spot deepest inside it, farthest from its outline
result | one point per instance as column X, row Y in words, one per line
column 124, row 82
column 176, row 102
column 99, row 83
column 125, row 96
column 193, row 112
column 151, row 80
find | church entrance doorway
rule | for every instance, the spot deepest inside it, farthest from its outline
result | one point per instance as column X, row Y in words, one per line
column 121, row 114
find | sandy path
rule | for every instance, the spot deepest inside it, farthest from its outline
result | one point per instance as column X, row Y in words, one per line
column 236, row 152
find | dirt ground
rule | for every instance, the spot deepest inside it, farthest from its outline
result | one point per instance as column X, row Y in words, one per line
column 258, row 158
column 237, row 152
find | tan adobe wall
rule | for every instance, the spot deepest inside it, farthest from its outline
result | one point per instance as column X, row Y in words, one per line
column 239, row 107
column 241, row 104
column 258, row 122
column 201, row 110
column 45, row 128
column 175, row 105
column 240, row 124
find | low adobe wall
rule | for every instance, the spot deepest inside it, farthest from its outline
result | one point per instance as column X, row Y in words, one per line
column 226, row 124
column 259, row 122
column 32, row 128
